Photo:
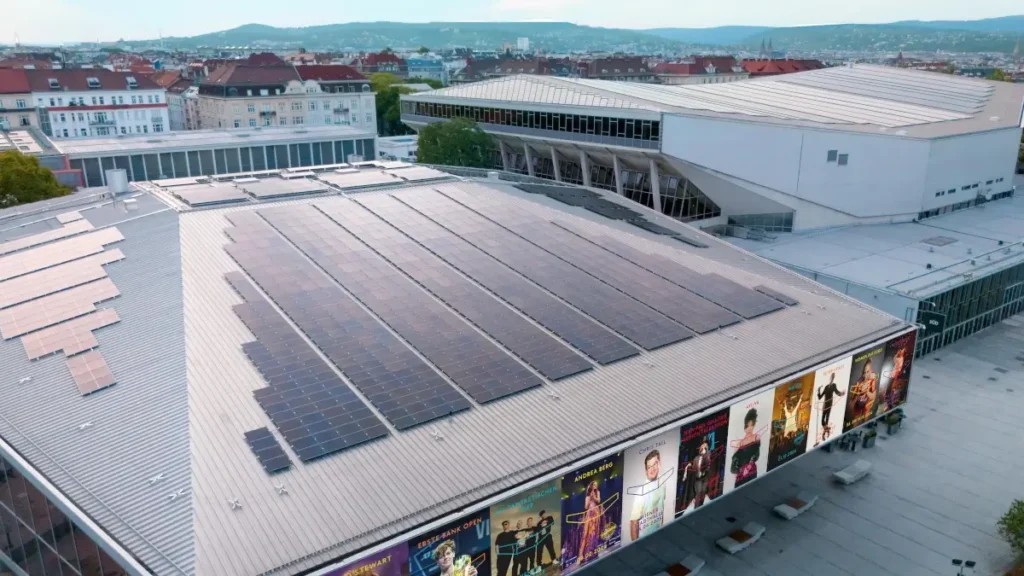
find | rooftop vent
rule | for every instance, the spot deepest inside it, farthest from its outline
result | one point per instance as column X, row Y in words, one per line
column 939, row 240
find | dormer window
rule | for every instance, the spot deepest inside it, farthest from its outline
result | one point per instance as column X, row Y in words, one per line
column 132, row 83
column 93, row 82
column 604, row 70
column 630, row 70
column 54, row 84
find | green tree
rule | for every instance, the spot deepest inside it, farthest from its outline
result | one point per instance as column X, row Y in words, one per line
column 999, row 76
column 23, row 180
column 435, row 84
column 458, row 142
column 381, row 81
column 423, row 50
column 1011, row 526
column 389, row 111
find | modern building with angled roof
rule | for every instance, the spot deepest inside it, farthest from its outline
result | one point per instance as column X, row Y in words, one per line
column 331, row 368
column 838, row 146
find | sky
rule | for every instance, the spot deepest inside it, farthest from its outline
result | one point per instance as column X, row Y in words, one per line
column 65, row 21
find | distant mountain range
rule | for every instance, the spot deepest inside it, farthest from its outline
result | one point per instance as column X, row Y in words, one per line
column 988, row 35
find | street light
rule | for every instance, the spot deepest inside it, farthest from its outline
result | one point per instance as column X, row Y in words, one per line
column 963, row 564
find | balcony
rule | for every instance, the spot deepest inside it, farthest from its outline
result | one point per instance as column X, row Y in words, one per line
column 102, row 121
column 341, row 110
column 267, row 113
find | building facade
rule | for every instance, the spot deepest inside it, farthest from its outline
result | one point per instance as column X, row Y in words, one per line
column 84, row 103
column 17, row 110
column 243, row 97
column 428, row 68
column 700, row 70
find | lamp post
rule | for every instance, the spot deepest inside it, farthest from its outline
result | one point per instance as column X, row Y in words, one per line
column 962, row 564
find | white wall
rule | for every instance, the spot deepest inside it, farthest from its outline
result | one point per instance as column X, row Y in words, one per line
column 971, row 159
column 146, row 114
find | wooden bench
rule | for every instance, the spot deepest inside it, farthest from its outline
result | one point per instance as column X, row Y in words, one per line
column 688, row 566
column 796, row 506
column 853, row 473
column 741, row 539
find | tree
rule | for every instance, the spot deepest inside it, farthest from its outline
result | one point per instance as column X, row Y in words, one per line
column 458, row 142
column 435, row 84
column 423, row 50
column 23, row 180
column 999, row 76
column 381, row 81
column 1011, row 526
column 389, row 111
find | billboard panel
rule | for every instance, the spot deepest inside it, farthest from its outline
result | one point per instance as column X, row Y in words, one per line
column 591, row 511
column 526, row 533
column 747, row 453
column 831, row 385
column 895, row 379
column 863, row 390
column 390, row 562
column 702, row 447
column 791, row 418
column 649, row 478
column 460, row 548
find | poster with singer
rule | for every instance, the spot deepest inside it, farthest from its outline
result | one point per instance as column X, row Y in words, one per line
column 390, row 562
column 591, row 512
column 791, row 418
column 650, row 485
column 702, row 448
column 526, row 532
column 895, row 378
column 460, row 548
column 828, row 402
column 863, row 391
column 747, row 454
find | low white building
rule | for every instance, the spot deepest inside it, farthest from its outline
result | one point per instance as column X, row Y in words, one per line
column 90, row 102
column 398, row 147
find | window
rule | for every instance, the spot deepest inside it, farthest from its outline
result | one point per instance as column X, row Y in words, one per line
column 252, row 108
column 124, row 130
column 60, row 101
column 296, row 106
column 266, row 121
column 327, row 119
column 138, row 129
column 238, row 123
column 327, row 105
column 85, row 132
column 939, row 193
column 988, row 183
column 312, row 106
column 158, row 127
column 20, row 103
column 355, row 119
column 832, row 155
column 53, row 101
column 284, row 120
column 156, row 98
column 298, row 120
column 81, row 101
column 145, row 129
column 264, row 92
column 62, row 117
column 66, row 133
column 134, row 100
column 369, row 118
column 252, row 122
column 974, row 185
column 24, row 121
column 120, row 99
column 965, row 188
column 265, row 107
column 248, row 92
column 844, row 159
column 101, row 101
column 355, row 104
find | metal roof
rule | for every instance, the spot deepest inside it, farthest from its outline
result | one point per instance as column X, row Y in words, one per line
column 183, row 401
column 859, row 97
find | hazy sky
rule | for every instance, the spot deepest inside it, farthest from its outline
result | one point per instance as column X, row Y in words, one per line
column 84, row 20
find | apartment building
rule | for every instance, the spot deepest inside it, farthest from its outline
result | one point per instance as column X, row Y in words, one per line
column 90, row 102
column 245, row 96
column 700, row 70
column 16, row 110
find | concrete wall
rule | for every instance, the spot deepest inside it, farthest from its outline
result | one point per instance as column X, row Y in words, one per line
column 971, row 159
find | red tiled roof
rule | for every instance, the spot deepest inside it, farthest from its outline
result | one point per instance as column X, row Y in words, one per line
column 22, row 62
column 698, row 66
column 264, row 59
column 773, row 67
column 328, row 72
column 14, row 82
column 617, row 66
column 77, row 79
column 179, row 86
column 243, row 75
column 165, row 78
column 382, row 58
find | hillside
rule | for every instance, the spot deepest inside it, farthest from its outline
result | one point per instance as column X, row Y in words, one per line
column 717, row 36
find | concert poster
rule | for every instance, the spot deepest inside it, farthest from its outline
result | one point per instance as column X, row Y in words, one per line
column 863, row 390
column 526, row 533
column 591, row 512
column 390, row 562
column 895, row 378
column 702, row 450
column 460, row 548
column 828, row 402
column 791, row 418
column 747, row 453
column 649, row 485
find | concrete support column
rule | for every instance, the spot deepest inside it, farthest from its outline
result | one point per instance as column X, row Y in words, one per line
column 529, row 159
column 618, row 174
column 504, row 155
column 655, row 185
column 554, row 163
column 585, row 168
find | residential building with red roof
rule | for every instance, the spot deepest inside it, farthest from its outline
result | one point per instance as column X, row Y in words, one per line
column 16, row 109
column 264, row 59
column 85, row 102
column 776, row 66
column 622, row 69
column 381, row 62
column 239, row 95
column 700, row 70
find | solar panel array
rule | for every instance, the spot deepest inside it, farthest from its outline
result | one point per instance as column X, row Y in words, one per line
column 52, row 280
column 473, row 362
column 270, row 188
column 776, row 295
column 90, row 372
column 71, row 337
column 267, row 450
column 55, row 253
column 348, row 180
column 70, row 229
column 589, row 337
column 544, row 353
column 209, row 194
column 418, row 174
column 315, row 411
column 50, row 310
column 404, row 388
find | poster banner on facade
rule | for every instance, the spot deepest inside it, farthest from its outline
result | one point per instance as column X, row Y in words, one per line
column 895, row 374
column 391, row 562
column 828, row 404
column 526, row 533
column 791, row 418
column 591, row 512
column 863, row 391
column 747, row 452
column 649, row 481
column 460, row 548
column 702, row 448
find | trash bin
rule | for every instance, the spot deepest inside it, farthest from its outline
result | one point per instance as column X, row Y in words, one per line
column 869, row 438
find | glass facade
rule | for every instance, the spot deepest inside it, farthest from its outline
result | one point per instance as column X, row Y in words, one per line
column 776, row 222
column 37, row 539
column 972, row 307
column 142, row 167
column 961, row 205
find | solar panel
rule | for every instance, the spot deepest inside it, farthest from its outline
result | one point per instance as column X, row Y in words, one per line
column 55, row 308
column 267, row 450
column 90, row 372
column 567, row 323
column 534, row 346
column 71, row 337
column 209, row 195
column 70, row 229
column 57, row 253
column 398, row 383
column 475, row 364
column 57, row 278
column 67, row 217
column 268, row 188
column 418, row 174
column 776, row 295
column 674, row 302
column 315, row 411
column 358, row 179
column 605, row 304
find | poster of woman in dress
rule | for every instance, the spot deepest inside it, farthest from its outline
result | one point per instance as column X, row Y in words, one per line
column 747, row 453
column 895, row 373
column 650, row 485
column 828, row 403
column 863, row 391
column 461, row 548
column 702, row 461
column 791, row 417
column 591, row 511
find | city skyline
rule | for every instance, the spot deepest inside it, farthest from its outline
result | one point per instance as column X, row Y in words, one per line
column 89, row 20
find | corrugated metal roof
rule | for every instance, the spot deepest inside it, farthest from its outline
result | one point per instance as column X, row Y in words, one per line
column 184, row 400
